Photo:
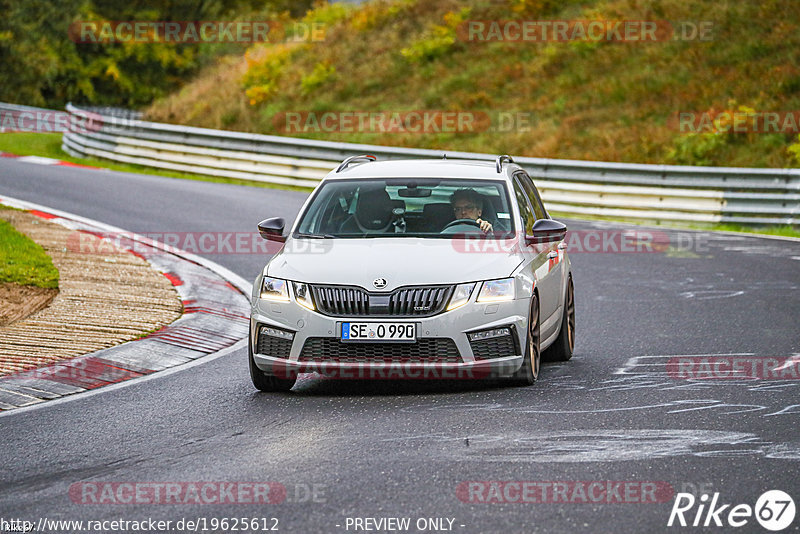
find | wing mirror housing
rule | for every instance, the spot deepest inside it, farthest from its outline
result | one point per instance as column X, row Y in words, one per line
column 546, row 231
column 272, row 229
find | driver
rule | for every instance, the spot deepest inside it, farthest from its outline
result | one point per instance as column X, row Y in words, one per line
column 468, row 204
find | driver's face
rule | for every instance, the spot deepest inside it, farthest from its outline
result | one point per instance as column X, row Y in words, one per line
column 464, row 209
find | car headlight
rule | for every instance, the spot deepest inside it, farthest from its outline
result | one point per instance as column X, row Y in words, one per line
column 497, row 290
column 274, row 289
column 460, row 296
column 302, row 294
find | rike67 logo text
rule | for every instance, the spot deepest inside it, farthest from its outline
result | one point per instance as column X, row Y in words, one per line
column 774, row 510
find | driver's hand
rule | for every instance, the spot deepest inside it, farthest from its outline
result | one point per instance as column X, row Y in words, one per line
column 486, row 226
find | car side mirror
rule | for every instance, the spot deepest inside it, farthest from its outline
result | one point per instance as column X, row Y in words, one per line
column 546, row 231
column 272, row 229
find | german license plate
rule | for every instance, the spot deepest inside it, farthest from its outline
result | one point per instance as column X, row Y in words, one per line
column 379, row 332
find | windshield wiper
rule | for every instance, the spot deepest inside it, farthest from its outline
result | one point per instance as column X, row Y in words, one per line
column 316, row 236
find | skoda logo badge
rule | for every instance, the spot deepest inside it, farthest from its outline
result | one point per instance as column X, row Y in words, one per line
column 379, row 283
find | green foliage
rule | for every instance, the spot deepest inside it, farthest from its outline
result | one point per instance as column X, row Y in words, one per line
column 794, row 151
column 538, row 7
column 266, row 65
column 437, row 40
column 229, row 118
column 42, row 64
column 329, row 14
column 375, row 14
column 322, row 72
column 696, row 149
column 24, row 262
column 718, row 133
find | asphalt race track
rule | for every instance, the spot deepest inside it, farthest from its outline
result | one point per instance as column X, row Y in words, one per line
column 348, row 449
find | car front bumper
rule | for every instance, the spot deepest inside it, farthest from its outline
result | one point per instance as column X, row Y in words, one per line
column 443, row 349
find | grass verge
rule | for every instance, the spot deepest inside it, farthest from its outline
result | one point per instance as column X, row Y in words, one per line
column 781, row 231
column 24, row 262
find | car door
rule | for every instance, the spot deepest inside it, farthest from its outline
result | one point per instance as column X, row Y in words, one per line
column 537, row 256
column 548, row 265
column 557, row 250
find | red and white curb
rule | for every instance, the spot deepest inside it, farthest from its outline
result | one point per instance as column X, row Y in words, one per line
column 39, row 160
column 215, row 322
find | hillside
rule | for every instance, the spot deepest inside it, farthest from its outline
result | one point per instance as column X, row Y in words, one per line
column 583, row 99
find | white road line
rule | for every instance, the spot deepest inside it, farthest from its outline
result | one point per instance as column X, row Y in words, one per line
column 38, row 160
column 152, row 376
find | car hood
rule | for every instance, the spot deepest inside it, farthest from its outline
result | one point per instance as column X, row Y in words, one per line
column 400, row 261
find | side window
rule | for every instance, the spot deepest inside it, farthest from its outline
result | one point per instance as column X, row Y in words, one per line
column 533, row 194
column 528, row 217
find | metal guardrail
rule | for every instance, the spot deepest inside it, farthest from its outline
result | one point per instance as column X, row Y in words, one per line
column 17, row 118
column 648, row 192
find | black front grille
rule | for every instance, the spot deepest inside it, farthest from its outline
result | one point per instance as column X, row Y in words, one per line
column 419, row 301
column 495, row 347
column 273, row 346
column 426, row 350
column 350, row 301
column 341, row 300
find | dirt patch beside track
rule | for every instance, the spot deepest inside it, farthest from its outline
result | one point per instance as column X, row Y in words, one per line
column 18, row 302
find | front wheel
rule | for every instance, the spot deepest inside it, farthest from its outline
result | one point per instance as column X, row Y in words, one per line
column 529, row 372
column 265, row 382
column 562, row 348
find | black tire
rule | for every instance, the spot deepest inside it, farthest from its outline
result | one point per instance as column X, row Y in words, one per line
column 529, row 371
column 562, row 348
column 265, row 382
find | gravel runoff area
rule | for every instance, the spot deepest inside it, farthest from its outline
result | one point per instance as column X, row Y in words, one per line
column 104, row 299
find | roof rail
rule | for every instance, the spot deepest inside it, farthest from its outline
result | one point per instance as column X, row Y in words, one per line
column 499, row 162
column 351, row 159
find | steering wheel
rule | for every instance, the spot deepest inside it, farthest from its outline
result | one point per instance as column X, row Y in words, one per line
column 471, row 222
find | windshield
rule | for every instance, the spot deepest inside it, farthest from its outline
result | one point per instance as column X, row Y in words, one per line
column 407, row 207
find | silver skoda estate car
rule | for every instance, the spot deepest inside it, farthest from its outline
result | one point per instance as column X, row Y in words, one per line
column 414, row 269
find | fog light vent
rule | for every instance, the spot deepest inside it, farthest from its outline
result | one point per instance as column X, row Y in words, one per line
column 489, row 334
column 274, row 332
column 493, row 343
column 274, row 342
